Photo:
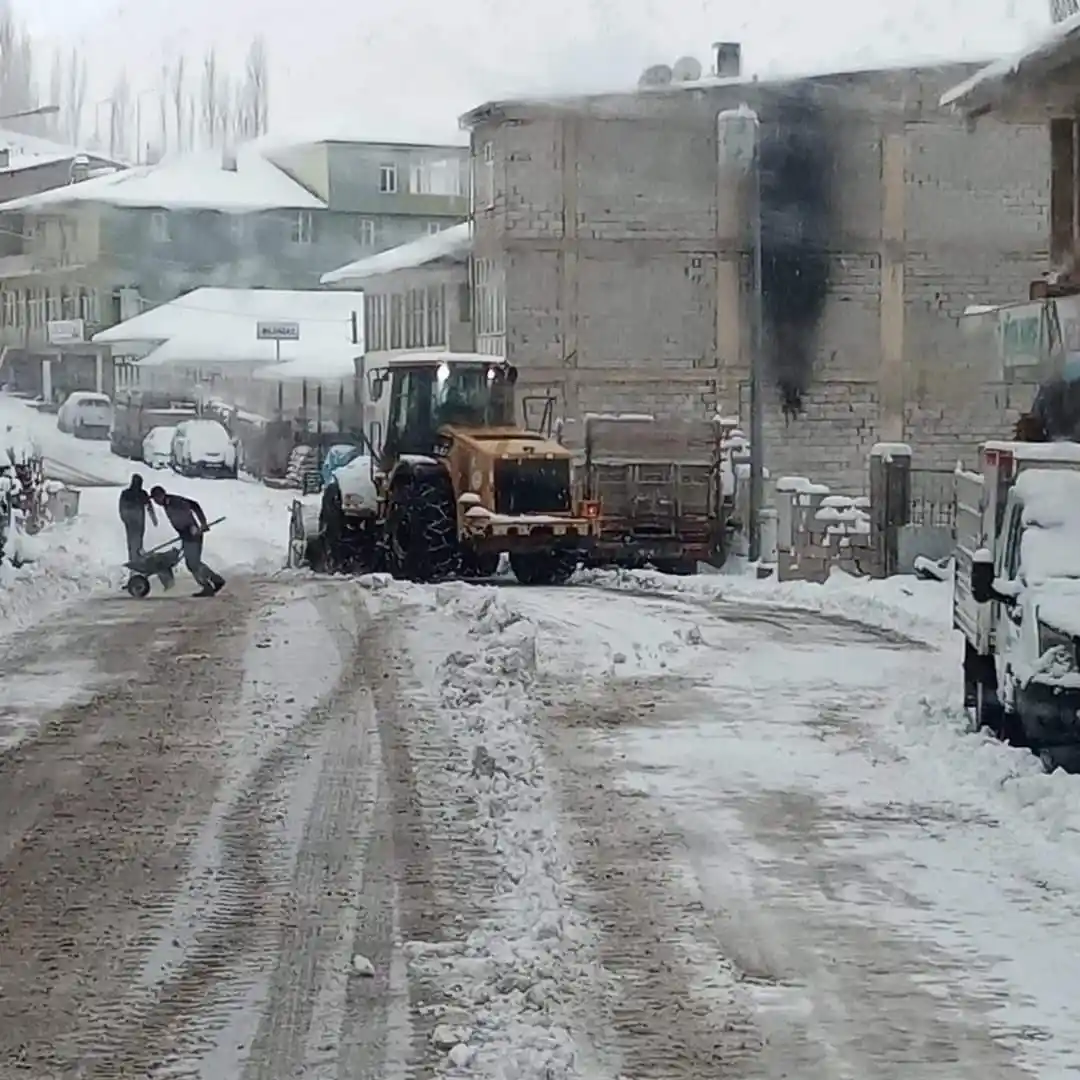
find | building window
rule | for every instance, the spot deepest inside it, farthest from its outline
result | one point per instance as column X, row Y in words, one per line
column 489, row 306
column 159, row 227
column 71, row 304
column 365, row 232
column 436, row 315
column 9, row 308
column 236, row 228
column 489, row 175
column 415, row 317
column 303, row 228
column 397, row 321
column 434, row 227
column 388, row 179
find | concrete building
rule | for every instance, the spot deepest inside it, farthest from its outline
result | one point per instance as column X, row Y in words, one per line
column 386, row 193
column 79, row 258
column 1040, row 88
column 611, row 255
column 416, row 296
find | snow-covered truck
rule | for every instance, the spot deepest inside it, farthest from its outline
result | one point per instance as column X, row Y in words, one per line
column 1016, row 594
column 666, row 489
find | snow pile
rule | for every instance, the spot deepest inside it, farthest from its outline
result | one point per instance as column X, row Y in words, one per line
column 68, row 564
column 908, row 604
column 934, row 732
column 508, row 971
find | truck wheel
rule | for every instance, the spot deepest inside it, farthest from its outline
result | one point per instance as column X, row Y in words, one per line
column 422, row 530
column 544, row 567
column 475, row 565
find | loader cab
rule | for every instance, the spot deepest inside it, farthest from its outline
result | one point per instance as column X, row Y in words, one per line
column 431, row 390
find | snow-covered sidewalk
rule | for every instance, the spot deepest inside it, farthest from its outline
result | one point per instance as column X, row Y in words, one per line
column 794, row 761
column 85, row 556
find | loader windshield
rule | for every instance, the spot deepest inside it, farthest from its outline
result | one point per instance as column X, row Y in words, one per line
column 472, row 395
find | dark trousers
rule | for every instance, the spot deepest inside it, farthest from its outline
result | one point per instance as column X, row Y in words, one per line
column 135, row 530
column 193, row 561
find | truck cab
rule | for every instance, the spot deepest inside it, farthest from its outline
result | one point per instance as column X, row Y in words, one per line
column 1017, row 593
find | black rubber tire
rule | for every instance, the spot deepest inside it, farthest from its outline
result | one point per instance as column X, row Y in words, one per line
column 422, row 530
column 138, row 586
column 480, row 566
column 544, row 567
column 331, row 527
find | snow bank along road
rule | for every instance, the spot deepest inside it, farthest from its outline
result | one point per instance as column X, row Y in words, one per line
column 628, row 829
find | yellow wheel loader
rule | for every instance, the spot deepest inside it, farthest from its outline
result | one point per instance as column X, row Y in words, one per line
column 456, row 482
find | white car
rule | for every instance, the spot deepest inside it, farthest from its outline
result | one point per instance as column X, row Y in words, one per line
column 203, row 448
column 157, row 447
column 86, row 415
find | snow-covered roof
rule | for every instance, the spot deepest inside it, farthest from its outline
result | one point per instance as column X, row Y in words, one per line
column 32, row 152
column 451, row 245
column 229, row 316
column 192, row 182
column 326, row 365
column 986, row 88
column 778, row 77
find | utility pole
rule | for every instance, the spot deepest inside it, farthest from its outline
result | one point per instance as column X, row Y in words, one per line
column 739, row 143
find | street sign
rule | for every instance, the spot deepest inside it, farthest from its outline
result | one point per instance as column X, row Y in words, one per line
column 66, row 332
column 277, row 331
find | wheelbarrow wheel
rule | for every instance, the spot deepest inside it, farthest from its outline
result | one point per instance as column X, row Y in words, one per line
column 138, row 586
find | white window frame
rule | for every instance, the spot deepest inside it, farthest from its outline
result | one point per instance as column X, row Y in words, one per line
column 10, row 308
column 388, row 178
column 419, row 179
column 489, row 175
column 303, row 228
column 159, row 227
column 366, row 232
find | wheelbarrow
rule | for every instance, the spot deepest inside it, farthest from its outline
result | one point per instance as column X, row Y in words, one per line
column 160, row 562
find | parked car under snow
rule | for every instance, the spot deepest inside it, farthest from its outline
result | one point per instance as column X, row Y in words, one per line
column 157, row 447
column 86, row 415
column 203, row 448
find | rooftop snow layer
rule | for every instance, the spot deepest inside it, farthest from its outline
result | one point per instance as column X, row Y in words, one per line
column 31, row 151
column 995, row 76
column 325, row 365
column 453, row 244
column 211, row 314
column 194, row 182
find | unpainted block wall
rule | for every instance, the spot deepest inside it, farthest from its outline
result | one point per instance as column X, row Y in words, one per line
column 622, row 277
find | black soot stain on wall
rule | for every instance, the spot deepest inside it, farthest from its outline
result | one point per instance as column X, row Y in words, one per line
column 796, row 166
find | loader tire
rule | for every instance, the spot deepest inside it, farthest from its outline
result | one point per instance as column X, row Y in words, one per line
column 422, row 531
column 545, row 567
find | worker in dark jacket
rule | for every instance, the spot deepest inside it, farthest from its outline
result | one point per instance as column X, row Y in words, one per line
column 135, row 504
column 187, row 518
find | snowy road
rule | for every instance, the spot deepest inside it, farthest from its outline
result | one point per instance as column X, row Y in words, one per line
column 639, row 827
column 193, row 845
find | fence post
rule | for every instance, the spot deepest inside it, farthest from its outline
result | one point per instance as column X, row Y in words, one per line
column 890, row 502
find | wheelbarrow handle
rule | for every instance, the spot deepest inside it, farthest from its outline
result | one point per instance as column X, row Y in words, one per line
column 169, row 543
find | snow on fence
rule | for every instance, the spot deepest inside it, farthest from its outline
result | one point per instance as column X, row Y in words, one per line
column 819, row 529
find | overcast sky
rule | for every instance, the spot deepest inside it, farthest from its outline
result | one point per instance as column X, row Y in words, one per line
column 409, row 67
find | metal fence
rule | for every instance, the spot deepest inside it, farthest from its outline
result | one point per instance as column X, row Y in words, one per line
column 932, row 497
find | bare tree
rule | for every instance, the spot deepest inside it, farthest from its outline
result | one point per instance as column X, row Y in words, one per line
column 17, row 88
column 257, row 88
column 58, row 122
column 163, row 97
column 180, row 99
column 120, row 116
column 73, row 97
column 212, row 99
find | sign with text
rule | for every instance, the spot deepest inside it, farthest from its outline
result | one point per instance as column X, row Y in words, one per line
column 66, row 332
column 277, row 331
